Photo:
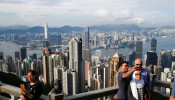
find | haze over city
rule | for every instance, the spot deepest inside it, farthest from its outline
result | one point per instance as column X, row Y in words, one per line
column 145, row 13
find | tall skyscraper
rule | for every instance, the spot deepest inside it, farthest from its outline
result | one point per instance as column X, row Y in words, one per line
column 46, row 53
column 153, row 44
column 139, row 47
column 86, row 38
column 46, row 34
column 23, row 53
column 76, row 62
column 46, row 41
column 151, row 58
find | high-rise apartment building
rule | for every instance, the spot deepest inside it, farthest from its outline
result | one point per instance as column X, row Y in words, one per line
column 46, row 53
column 76, row 62
column 70, row 82
column 113, row 69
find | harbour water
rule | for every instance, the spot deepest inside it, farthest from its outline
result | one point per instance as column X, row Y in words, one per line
column 166, row 43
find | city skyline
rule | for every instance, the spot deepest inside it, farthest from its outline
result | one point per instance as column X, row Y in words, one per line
column 86, row 13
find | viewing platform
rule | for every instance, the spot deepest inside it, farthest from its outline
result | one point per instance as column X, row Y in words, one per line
column 14, row 92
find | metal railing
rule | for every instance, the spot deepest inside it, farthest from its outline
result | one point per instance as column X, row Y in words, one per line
column 15, row 92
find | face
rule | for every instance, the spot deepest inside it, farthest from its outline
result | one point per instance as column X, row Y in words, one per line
column 31, row 77
column 138, row 63
column 138, row 75
column 125, row 67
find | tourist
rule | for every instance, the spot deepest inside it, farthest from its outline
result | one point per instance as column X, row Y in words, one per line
column 138, row 89
column 144, row 72
column 33, row 89
column 123, row 80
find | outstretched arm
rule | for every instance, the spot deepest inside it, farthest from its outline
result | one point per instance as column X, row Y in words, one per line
column 129, row 72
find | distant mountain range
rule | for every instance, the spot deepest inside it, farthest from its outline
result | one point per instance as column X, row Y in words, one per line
column 69, row 29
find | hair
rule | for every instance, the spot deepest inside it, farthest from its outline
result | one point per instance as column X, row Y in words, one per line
column 33, row 73
column 123, row 63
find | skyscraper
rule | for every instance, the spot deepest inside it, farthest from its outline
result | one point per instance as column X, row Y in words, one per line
column 46, row 53
column 113, row 69
column 46, row 35
column 23, row 53
column 151, row 58
column 17, row 55
column 76, row 63
column 139, row 47
column 131, row 58
column 153, row 44
column 86, row 38
column 70, row 82
column 46, row 41
column 169, row 58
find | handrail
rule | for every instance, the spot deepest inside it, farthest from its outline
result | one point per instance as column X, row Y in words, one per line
column 160, row 83
column 16, row 91
column 94, row 94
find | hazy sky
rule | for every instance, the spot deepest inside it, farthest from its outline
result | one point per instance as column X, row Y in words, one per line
column 57, row 13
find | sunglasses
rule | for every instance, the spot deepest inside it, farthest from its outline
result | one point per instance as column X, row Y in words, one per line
column 139, row 64
column 137, row 74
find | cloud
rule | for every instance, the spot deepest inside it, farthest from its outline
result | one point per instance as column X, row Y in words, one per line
column 80, row 12
column 138, row 20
